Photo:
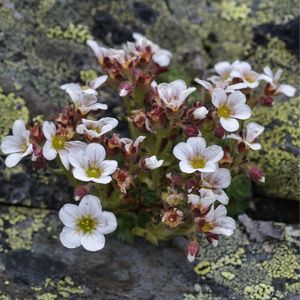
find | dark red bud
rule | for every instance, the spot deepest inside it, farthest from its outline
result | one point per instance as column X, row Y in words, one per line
column 219, row 132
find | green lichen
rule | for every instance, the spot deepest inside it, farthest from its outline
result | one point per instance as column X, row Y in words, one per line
column 231, row 10
column 19, row 225
column 77, row 33
column 12, row 108
column 259, row 292
column 52, row 289
column 280, row 143
column 88, row 75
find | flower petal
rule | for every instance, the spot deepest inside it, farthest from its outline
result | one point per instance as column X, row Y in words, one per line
column 213, row 153
column 49, row 130
column 80, row 174
column 13, row 159
column 10, row 144
column 48, row 151
column 108, row 223
column 241, row 111
column 219, row 97
column 183, row 151
column 287, row 89
column 102, row 179
column 108, row 167
column 93, row 242
column 230, row 124
column 70, row 238
column 68, row 214
column 98, row 82
column 95, row 154
column 77, row 160
column 63, row 154
column 90, row 205
column 185, row 167
column 197, row 145
column 19, row 129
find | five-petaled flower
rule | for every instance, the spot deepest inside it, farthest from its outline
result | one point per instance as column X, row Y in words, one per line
column 243, row 71
column 86, row 224
column 216, row 223
column 249, row 137
column 230, row 108
column 58, row 144
column 174, row 94
column 274, row 87
column 83, row 100
column 17, row 145
column 195, row 156
column 95, row 129
column 89, row 165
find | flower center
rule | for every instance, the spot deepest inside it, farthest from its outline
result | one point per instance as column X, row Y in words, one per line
column 93, row 172
column 198, row 162
column 207, row 227
column 224, row 111
column 58, row 142
column 86, row 224
column 250, row 78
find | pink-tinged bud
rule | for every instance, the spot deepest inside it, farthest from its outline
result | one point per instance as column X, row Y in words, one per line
column 256, row 174
column 267, row 101
column 125, row 88
column 80, row 191
column 191, row 131
column 219, row 132
column 192, row 250
column 37, row 152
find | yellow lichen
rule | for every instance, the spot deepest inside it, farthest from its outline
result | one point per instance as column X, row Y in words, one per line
column 259, row 292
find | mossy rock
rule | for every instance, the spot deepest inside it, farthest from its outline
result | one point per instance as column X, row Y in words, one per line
column 279, row 158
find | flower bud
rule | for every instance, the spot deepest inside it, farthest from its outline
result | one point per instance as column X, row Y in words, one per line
column 125, row 88
column 80, row 191
column 200, row 113
column 192, row 250
column 267, row 101
column 123, row 179
column 256, row 174
column 172, row 217
column 219, row 132
column 191, row 131
column 37, row 152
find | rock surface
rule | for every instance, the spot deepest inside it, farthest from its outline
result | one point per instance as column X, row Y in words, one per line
column 34, row 265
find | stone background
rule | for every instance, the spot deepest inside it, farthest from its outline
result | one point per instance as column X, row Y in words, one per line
column 42, row 45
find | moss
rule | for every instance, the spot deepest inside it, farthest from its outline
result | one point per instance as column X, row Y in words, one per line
column 12, row 108
column 259, row 292
column 279, row 157
column 88, row 75
column 77, row 33
column 53, row 289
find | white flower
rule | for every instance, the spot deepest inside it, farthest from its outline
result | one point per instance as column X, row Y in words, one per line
column 223, row 69
column 86, row 224
column 112, row 54
column 89, row 88
column 195, row 156
column 217, row 181
column 273, row 80
column 244, row 71
column 142, row 45
column 16, row 145
column 217, row 223
column 152, row 162
column 130, row 145
column 219, row 84
column 83, row 101
column 230, row 108
column 253, row 130
column 89, row 165
column 56, row 144
column 200, row 113
column 174, row 94
column 204, row 201
column 95, row 129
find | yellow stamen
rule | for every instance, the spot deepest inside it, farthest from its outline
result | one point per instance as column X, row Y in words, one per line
column 94, row 172
column 224, row 111
column 198, row 162
column 207, row 227
column 87, row 224
column 58, row 142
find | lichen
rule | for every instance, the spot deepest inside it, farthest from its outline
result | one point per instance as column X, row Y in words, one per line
column 88, row 75
column 77, row 33
column 259, row 292
column 12, row 108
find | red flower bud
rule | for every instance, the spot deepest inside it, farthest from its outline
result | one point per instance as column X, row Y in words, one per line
column 80, row 191
column 256, row 174
column 125, row 88
column 219, row 132
column 192, row 250
column 191, row 131
column 267, row 101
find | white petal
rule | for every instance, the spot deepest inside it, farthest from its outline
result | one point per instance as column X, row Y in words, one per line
column 104, row 179
column 241, row 111
column 68, row 214
column 95, row 106
column 220, row 211
column 98, row 82
column 19, row 129
column 185, row 167
column 182, row 151
column 197, row 145
column 278, row 75
column 108, row 223
column 108, row 167
column 236, row 98
column 213, row 153
column 287, row 89
column 11, row 144
column 49, row 129
column 253, row 131
column 95, row 153
column 162, row 57
column 200, row 113
column 207, row 85
column 90, row 205
column 80, row 174
column 13, row 159
column 222, row 197
column 254, row 146
column 268, row 71
column 70, row 238
column 77, row 160
column 209, row 167
column 230, row 124
column 93, row 242
column 48, row 151
column 63, row 154
column 219, row 97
